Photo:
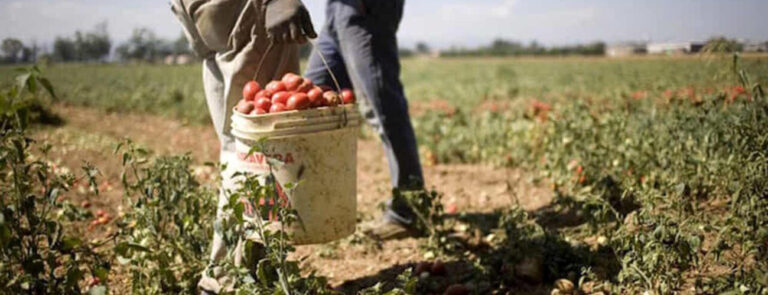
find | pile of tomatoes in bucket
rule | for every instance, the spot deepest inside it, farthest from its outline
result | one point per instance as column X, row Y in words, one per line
column 292, row 92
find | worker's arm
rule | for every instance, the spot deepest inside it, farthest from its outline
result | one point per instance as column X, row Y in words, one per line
column 288, row 21
column 209, row 24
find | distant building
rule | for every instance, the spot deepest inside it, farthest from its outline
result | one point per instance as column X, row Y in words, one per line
column 756, row 47
column 674, row 48
column 178, row 59
column 624, row 49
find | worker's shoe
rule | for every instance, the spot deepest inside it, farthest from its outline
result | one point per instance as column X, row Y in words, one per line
column 388, row 227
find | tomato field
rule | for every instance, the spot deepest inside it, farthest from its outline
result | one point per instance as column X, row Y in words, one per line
column 545, row 175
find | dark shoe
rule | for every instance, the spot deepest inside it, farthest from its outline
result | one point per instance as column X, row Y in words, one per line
column 387, row 228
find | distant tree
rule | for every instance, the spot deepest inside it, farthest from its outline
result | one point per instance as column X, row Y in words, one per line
column 27, row 54
column 422, row 48
column 88, row 46
column 501, row 47
column 405, row 52
column 94, row 45
column 64, row 49
column 142, row 45
column 181, row 45
column 722, row 45
column 11, row 48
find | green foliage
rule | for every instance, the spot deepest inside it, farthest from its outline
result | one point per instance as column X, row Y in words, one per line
column 164, row 238
column 265, row 235
column 676, row 188
column 22, row 104
column 670, row 189
column 39, row 254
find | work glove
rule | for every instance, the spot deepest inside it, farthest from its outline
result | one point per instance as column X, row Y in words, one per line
column 287, row 21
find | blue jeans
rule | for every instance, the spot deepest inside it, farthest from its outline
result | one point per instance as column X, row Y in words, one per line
column 359, row 43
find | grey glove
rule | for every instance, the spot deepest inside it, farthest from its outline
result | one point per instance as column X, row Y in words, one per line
column 287, row 21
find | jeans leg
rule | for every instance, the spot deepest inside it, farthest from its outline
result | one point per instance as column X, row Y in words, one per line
column 368, row 44
column 316, row 70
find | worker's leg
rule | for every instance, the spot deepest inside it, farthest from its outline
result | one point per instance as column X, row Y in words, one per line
column 365, row 32
column 327, row 46
column 224, row 78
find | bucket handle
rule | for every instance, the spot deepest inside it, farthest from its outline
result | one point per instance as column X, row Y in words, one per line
column 344, row 116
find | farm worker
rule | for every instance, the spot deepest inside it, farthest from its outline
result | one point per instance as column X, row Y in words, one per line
column 231, row 36
column 359, row 42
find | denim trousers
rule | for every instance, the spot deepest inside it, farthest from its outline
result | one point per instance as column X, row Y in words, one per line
column 359, row 44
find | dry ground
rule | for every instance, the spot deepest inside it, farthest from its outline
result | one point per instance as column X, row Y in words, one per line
column 91, row 135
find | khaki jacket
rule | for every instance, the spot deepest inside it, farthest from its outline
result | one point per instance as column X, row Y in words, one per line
column 230, row 37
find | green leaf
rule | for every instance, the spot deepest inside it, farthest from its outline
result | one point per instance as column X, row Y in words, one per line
column 48, row 87
column 74, row 275
column 101, row 273
column 22, row 81
column 71, row 243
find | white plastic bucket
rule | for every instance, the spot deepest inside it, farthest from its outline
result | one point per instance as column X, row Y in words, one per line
column 317, row 151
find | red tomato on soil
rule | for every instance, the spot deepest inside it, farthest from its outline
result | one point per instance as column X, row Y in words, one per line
column 457, row 289
column 277, row 107
column 281, row 97
column 347, row 96
column 250, row 90
column 438, row 268
column 298, row 101
column 422, row 267
column 451, row 208
column 85, row 204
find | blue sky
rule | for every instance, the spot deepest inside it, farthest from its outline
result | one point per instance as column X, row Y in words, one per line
column 441, row 23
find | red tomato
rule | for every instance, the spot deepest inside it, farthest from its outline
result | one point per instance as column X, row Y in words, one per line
column 292, row 82
column 277, row 107
column 258, row 111
column 263, row 103
column 244, row 107
column 261, row 93
column 451, row 208
column 100, row 213
column 85, row 204
column 305, row 86
column 281, row 97
column 298, row 101
column 422, row 267
column 250, row 90
column 315, row 97
column 275, row 86
column 331, row 98
column 264, row 93
column 347, row 96
column 288, row 76
column 456, row 289
column 94, row 281
column 438, row 268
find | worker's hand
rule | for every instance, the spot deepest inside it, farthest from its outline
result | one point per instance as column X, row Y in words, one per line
column 287, row 21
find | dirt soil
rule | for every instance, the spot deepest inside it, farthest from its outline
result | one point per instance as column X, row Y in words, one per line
column 91, row 135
